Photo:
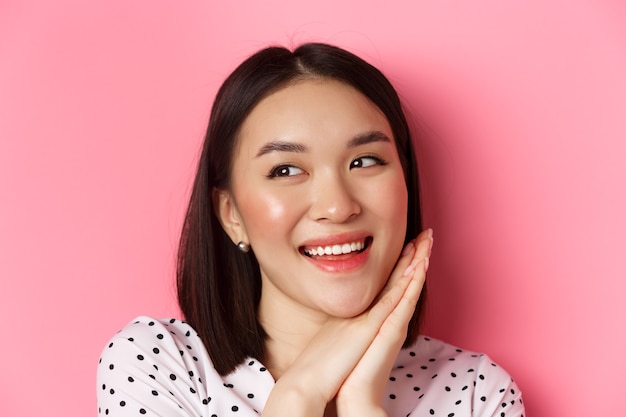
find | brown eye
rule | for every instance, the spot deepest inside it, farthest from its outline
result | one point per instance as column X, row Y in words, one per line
column 284, row 171
column 366, row 161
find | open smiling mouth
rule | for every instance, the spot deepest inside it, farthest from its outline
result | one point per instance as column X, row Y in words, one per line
column 339, row 251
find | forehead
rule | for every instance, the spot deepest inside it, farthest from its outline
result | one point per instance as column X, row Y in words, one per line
column 313, row 108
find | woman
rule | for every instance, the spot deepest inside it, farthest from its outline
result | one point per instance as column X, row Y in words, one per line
column 301, row 264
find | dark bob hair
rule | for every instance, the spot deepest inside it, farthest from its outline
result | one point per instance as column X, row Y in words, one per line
column 219, row 287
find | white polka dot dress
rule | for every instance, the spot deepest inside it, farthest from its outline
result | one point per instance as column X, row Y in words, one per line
column 161, row 368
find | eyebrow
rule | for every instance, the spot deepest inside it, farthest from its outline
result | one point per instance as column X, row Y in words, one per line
column 358, row 140
column 368, row 137
column 281, row 146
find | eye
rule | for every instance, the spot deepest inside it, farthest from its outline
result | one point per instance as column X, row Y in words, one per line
column 366, row 161
column 284, row 171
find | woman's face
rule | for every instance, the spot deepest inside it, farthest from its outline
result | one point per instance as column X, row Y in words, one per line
column 319, row 192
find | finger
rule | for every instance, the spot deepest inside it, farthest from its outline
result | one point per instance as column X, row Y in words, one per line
column 356, row 335
column 414, row 250
column 405, row 308
column 392, row 332
column 395, row 325
column 400, row 277
column 415, row 247
column 368, row 377
column 423, row 249
column 391, row 294
column 403, row 262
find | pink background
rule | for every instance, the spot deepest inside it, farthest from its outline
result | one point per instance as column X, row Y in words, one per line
column 102, row 111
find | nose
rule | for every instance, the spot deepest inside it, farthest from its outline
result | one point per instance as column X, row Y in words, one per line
column 333, row 200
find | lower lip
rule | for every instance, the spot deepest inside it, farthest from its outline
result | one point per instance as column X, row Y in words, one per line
column 341, row 263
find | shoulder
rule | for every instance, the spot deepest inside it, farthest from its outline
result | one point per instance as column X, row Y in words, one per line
column 437, row 377
column 154, row 364
column 161, row 367
column 153, row 335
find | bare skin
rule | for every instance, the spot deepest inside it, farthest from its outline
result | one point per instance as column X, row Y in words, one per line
column 316, row 166
column 345, row 366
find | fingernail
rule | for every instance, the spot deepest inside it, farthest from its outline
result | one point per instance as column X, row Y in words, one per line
column 408, row 248
column 429, row 233
column 408, row 270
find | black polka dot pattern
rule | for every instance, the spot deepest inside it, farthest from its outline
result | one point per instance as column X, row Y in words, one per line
column 160, row 367
column 142, row 372
column 434, row 378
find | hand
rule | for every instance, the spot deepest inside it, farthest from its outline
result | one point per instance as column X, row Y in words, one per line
column 362, row 391
column 347, row 357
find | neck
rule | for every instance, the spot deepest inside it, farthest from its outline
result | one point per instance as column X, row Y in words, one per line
column 289, row 327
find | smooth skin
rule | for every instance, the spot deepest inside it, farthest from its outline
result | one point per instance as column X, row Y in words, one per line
column 348, row 362
column 316, row 161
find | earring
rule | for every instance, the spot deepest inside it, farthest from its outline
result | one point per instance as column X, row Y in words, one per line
column 243, row 246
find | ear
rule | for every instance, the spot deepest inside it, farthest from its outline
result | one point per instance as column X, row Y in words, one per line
column 228, row 215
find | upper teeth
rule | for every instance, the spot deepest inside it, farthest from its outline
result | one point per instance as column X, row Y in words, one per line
column 335, row 249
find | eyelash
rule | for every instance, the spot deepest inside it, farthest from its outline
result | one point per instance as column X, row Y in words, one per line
column 377, row 161
column 279, row 170
column 276, row 171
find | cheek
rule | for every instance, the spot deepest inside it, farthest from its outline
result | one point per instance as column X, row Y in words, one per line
column 264, row 214
column 273, row 208
column 267, row 208
column 392, row 200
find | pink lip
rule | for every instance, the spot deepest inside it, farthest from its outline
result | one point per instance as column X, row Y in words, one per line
column 338, row 239
column 339, row 263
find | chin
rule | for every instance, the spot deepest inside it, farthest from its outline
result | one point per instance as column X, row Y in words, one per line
column 347, row 308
